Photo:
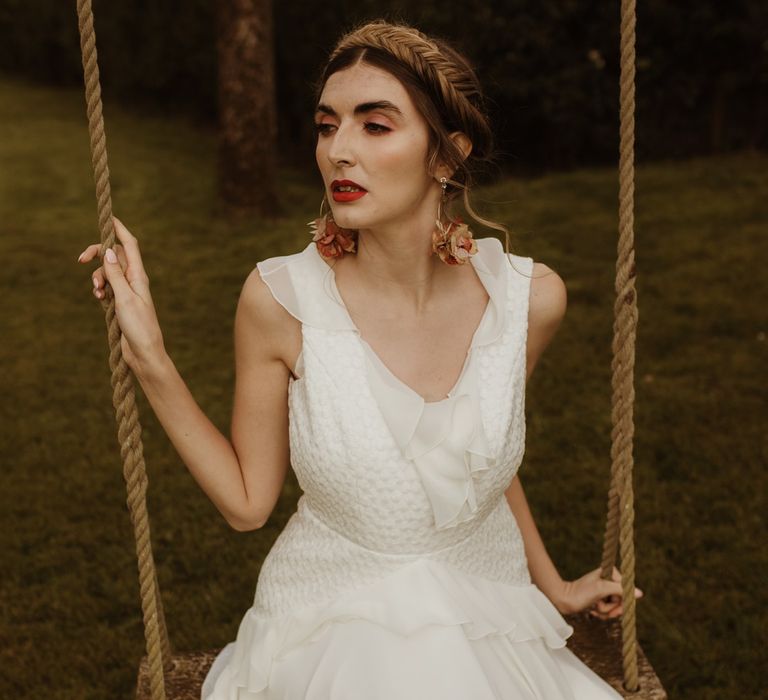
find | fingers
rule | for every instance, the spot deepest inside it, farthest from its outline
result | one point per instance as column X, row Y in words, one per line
column 611, row 606
column 115, row 275
column 93, row 250
column 616, row 575
column 98, row 283
column 98, row 278
column 129, row 260
column 131, row 257
column 607, row 607
column 89, row 253
column 616, row 612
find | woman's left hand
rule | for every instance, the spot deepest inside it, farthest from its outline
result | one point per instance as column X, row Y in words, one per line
column 604, row 598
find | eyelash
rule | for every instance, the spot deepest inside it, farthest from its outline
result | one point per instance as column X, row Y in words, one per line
column 380, row 128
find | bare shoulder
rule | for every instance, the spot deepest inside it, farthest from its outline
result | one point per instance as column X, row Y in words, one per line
column 549, row 297
column 546, row 309
column 262, row 318
column 257, row 300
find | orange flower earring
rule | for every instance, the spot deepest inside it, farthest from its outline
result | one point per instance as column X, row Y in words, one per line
column 332, row 240
column 453, row 243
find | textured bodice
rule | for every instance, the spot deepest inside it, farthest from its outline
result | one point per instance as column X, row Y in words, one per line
column 402, row 573
column 385, row 475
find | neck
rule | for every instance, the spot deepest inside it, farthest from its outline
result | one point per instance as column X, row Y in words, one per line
column 395, row 261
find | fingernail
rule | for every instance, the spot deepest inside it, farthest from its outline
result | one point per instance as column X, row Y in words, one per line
column 95, row 283
column 110, row 255
column 80, row 257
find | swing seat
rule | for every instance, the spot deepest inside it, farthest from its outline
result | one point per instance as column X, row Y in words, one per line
column 185, row 678
column 596, row 642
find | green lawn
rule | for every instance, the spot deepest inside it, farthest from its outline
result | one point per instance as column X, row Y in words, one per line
column 70, row 622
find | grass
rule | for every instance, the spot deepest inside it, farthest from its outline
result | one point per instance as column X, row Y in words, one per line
column 70, row 622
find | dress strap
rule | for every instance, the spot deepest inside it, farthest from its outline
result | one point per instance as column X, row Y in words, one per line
column 303, row 284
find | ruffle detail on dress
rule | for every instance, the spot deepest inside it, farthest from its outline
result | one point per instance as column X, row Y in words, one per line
column 445, row 439
column 304, row 285
column 449, row 448
column 422, row 594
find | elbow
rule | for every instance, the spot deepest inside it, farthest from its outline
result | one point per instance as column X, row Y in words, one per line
column 245, row 523
column 250, row 515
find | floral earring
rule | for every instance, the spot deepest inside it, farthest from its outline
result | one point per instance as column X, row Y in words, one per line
column 332, row 240
column 452, row 243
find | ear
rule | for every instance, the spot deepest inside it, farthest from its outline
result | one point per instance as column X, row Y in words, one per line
column 462, row 142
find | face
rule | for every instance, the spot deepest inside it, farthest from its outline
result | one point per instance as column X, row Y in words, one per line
column 370, row 133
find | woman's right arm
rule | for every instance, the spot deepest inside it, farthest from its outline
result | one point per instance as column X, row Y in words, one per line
column 242, row 477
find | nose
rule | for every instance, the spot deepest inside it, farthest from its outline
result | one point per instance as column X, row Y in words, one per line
column 341, row 150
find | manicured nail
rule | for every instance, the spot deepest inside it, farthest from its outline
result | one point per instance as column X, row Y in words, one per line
column 80, row 257
column 95, row 283
column 110, row 255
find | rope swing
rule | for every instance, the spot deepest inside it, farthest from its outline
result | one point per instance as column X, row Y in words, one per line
column 163, row 674
column 621, row 512
column 123, row 393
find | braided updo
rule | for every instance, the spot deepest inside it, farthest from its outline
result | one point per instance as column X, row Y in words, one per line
column 442, row 85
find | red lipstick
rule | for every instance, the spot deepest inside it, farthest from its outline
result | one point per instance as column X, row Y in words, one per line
column 350, row 192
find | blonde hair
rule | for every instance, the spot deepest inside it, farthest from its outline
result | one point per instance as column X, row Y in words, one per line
column 443, row 86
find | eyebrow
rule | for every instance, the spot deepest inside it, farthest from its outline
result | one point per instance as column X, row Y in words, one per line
column 380, row 105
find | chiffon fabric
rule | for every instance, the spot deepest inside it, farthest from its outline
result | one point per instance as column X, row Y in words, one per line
column 402, row 574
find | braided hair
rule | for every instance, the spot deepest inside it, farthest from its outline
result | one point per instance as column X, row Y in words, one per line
column 443, row 86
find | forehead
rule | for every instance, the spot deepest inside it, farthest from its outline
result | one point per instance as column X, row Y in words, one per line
column 364, row 83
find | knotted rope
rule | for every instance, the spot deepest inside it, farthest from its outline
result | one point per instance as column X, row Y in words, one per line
column 620, row 519
column 123, row 395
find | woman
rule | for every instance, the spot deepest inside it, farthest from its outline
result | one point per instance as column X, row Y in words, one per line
column 412, row 567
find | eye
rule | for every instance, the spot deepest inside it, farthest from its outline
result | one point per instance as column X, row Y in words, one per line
column 377, row 128
column 323, row 129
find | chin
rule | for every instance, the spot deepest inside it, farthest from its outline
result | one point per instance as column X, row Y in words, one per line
column 345, row 220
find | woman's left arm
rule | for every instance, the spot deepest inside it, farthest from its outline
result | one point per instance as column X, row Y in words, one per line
column 543, row 571
column 546, row 309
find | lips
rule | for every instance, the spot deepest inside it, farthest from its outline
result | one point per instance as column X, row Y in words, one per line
column 346, row 195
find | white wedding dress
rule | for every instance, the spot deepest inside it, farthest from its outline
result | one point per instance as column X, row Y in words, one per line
column 402, row 574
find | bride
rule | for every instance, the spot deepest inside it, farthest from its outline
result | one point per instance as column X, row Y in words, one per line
column 386, row 364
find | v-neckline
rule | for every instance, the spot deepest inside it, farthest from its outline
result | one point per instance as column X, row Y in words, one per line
column 366, row 344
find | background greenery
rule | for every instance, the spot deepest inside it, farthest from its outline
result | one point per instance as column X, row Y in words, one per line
column 550, row 68
column 70, row 622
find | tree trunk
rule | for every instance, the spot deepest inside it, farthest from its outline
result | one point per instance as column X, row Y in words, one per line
column 246, row 100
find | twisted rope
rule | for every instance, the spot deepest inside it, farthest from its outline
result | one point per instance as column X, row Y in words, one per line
column 620, row 519
column 431, row 65
column 123, row 395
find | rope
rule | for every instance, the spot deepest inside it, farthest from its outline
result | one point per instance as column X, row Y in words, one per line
column 620, row 519
column 619, row 530
column 123, row 395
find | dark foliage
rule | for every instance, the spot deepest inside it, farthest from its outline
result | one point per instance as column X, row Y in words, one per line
column 550, row 68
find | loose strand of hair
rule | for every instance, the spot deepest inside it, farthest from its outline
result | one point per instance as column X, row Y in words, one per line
column 487, row 222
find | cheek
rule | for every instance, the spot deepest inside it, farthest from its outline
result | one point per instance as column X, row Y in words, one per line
column 320, row 158
column 403, row 161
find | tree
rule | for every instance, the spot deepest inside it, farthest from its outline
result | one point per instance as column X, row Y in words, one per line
column 247, row 105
